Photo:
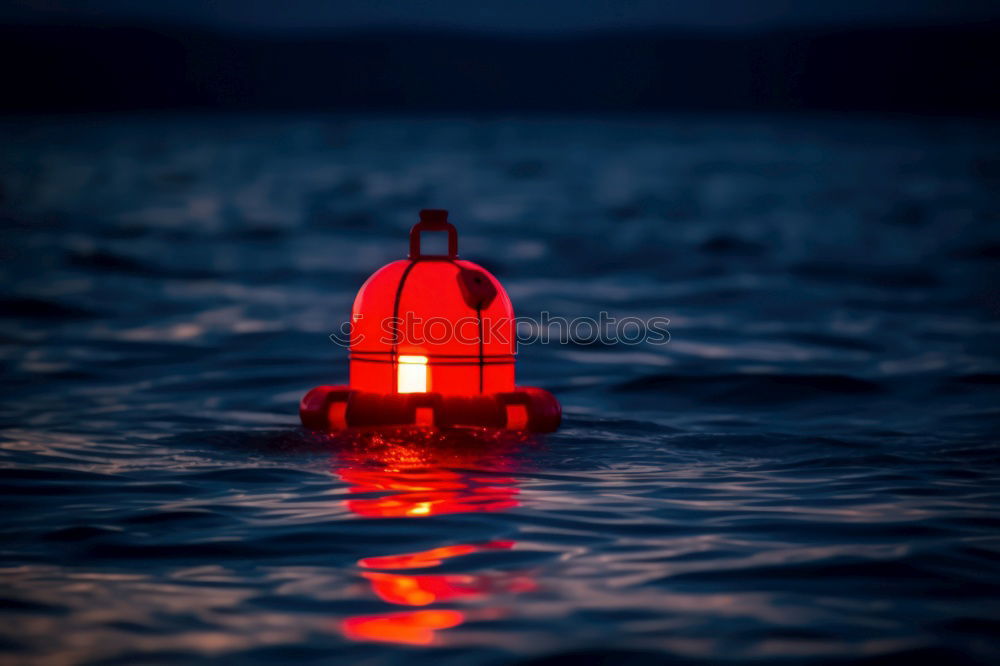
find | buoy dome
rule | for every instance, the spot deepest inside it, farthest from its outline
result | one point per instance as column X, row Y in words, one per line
column 452, row 313
column 432, row 344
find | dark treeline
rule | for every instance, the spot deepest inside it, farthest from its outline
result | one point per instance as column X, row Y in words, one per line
column 927, row 70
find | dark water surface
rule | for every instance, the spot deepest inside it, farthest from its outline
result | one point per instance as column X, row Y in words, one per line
column 807, row 471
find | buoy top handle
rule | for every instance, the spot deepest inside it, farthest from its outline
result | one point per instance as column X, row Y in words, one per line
column 433, row 219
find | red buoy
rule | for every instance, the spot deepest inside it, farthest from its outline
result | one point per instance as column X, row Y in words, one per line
column 433, row 343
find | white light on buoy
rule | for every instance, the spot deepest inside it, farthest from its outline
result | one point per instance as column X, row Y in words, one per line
column 412, row 376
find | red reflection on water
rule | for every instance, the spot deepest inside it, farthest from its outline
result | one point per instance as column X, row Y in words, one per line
column 411, row 475
column 424, row 589
column 412, row 628
column 430, row 558
column 430, row 492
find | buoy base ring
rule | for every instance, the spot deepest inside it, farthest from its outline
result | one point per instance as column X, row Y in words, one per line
column 338, row 407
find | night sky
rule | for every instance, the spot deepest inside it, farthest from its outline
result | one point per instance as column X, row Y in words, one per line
column 503, row 15
column 920, row 56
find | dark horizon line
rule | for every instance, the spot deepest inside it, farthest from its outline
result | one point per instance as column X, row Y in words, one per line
column 929, row 70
